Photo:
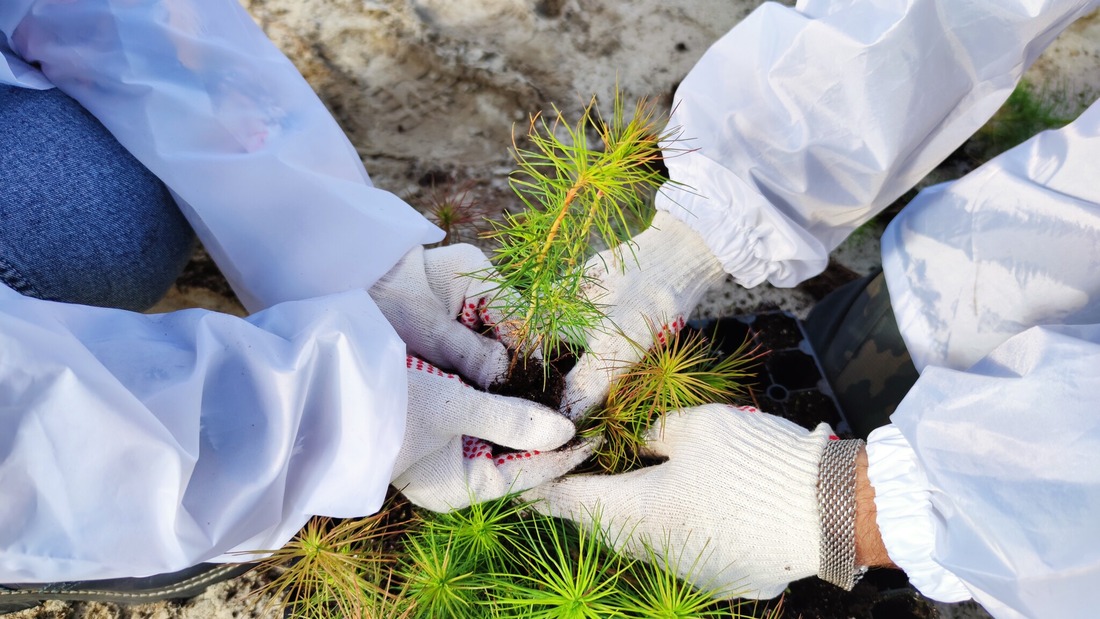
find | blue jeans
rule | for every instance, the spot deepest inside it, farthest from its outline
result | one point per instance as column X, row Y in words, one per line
column 81, row 220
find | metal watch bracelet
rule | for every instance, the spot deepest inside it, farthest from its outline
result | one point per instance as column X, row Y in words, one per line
column 836, row 498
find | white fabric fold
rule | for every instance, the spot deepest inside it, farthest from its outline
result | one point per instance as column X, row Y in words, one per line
column 1013, row 244
column 753, row 242
column 197, row 93
column 1010, row 448
column 905, row 517
column 143, row 444
column 802, row 125
column 138, row 444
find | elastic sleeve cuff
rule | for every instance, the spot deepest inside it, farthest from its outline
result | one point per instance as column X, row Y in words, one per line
column 905, row 519
column 751, row 239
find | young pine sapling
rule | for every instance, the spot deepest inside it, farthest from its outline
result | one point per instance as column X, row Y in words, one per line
column 579, row 194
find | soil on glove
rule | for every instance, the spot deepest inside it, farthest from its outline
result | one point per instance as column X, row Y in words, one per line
column 532, row 380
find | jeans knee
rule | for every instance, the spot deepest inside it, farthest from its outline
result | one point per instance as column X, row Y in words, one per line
column 83, row 221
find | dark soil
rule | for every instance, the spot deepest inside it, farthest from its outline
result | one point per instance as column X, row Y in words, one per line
column 788, row 382
column 775, row 331
column 532, row 380
column 881, row 594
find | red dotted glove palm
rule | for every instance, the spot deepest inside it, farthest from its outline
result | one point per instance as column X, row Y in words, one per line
column 447, row 461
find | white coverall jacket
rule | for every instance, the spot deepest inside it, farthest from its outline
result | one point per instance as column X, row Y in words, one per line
column 136, row 444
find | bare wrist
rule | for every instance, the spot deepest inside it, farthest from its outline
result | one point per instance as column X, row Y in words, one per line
column 870, row 551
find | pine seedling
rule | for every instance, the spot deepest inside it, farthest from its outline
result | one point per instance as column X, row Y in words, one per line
column 570, row 575
column 658, row 592
column 333, row 567
column 484, row 535
column 436, row 582
column 679, row 371
column 456, row 212
column 578, row 193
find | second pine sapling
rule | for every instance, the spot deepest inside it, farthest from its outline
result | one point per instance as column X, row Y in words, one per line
column 679, row 371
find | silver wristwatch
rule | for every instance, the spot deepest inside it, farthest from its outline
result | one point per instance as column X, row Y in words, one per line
column 836, row 498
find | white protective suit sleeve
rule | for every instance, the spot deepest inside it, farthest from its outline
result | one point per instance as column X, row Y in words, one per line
column 988, row 479
column 142, row 444
column 135, row 444
column 196, row 91
column 804, row 123
column 807, row 122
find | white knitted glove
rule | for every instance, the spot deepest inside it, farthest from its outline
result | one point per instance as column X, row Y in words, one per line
column 738, row 493
column 445, row 462
column 666, row 274
column 436, row 307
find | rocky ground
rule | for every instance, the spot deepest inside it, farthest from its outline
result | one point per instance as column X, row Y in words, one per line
column 429, row 90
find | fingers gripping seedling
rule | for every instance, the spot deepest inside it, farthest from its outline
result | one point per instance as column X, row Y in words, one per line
column 550, row 290
column 473, row 448
column 481, row 316
column 447, row 460
column 421, row 296
column 578, row 195
column 476, row 314
column 670, row 330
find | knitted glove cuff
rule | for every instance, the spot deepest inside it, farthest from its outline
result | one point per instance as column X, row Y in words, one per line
column 836, row 486
column 680, row 250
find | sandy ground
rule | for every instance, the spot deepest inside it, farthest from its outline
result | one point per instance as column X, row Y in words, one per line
column 429, row 90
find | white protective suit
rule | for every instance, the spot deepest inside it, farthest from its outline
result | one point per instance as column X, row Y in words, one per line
column 806, row 121
column 809, row 121
column 135, row 444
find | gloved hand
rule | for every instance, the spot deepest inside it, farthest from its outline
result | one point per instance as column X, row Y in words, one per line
column 738, row 492
column 445, row 462
column 666, row 274
column 421, row 297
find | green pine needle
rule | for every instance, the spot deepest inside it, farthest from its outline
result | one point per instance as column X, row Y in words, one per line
column 484, row 535
column 658, row 593
column 578, row 194
column 681, row 373
column 570, row 575
column 437, row 584
column 333, row 567
column 497, row 559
